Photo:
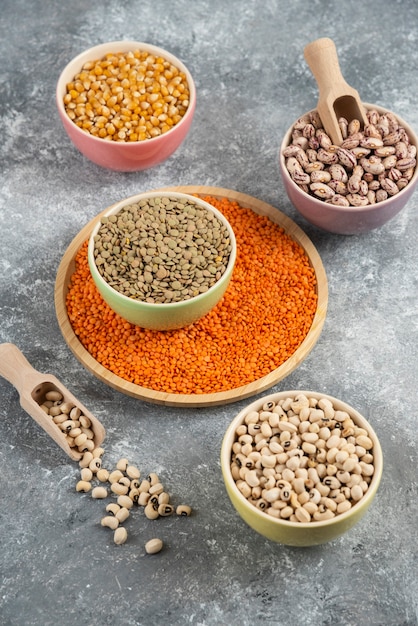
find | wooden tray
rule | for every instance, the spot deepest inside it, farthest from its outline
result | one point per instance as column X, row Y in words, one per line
column 67, row 268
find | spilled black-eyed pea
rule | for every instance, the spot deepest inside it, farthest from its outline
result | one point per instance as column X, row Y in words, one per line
column 133, row 472
column 119, row 489
column 120, row 535
column 183, row 510
column 153, row 546
column 122, row 514
column 134, row 495
column 110, row 521
column 125, row 501
column 113, row 508
column 151, row 512
column 86, row 474
column 85, row 460
column 122, row 464
column 99, row 493
column 83, row 485
column 165, row 510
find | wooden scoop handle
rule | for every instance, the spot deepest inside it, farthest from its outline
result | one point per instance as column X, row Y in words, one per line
column 321, row 56
column 16, row 369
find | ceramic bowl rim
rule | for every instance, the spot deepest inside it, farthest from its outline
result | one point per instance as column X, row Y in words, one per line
column 351, row 209
column 148, row 306
column 98, row 51
column 283, row 523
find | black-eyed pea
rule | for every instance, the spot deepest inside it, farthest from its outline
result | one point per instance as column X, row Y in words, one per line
column 66, row 407
column 87, row 446
column 360, row 451
column 80, row 440
column 273, row 512
column 241, row 430
column 88, row 432
column 86, row 474
column 151, row 512
column 246, row 449
column 70, row 441
column 288, row 475
column 67, row 426
column 125, row 501
column 343, row 506
column 183, row 510
column 110, row 521
column 97, row 452
column 102, row 475
column 364, row 485
column 113, row 508
column 143, row 498
column 332, row 482
column 356, row 493
column 85, row 459
column 299, row 485
column 153, row 546
column 74, row 432
column 122, row 515
column 302, row 515
column 53, row 395
column 115, row 476
column 135, row 482
column 310, row 506
column 156, row 489
column 329, row 503
column 83, row 485
column 323, row 489
column 125, row 481
column 235, row 471
column 343, row 476
column 85, row 422
column 368, row 458
column 286, row 512
column 153, row 478
column 134, row 495
column 120, row 535
column 303, row 497
column 99, row 493
column 252, row 430
column 294, row 501
column 95, row 464
column 163, row 498
column 165, row 510
column 315, row 496
column 122, row 464
column 251, row 417
column 308, row 448
column 320, row 516
column 59, row 419
column 118, row 489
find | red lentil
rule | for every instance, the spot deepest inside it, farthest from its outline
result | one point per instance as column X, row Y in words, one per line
column 263, row 318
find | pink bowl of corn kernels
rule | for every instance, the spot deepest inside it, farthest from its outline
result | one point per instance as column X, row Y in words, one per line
column 147, row 119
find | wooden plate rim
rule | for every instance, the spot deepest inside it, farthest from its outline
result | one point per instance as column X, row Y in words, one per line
column 67, row 267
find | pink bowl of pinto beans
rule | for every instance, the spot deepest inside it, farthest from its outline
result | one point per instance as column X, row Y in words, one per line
column 355, row 187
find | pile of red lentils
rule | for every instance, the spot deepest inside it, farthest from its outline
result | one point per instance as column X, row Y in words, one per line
column 264, row 316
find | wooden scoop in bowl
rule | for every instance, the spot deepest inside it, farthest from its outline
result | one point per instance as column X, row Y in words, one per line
column 32, row 387
column 336, row 98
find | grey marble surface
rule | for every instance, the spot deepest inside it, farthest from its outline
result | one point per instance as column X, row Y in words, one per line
column 57, row 565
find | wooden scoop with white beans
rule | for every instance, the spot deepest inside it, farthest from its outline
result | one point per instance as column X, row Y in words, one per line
column 336, row 98
column 51, row 405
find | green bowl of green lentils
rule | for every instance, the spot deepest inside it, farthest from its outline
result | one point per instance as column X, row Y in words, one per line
column 162, row 260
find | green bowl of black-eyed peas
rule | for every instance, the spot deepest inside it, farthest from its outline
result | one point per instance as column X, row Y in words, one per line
column 300, row 467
